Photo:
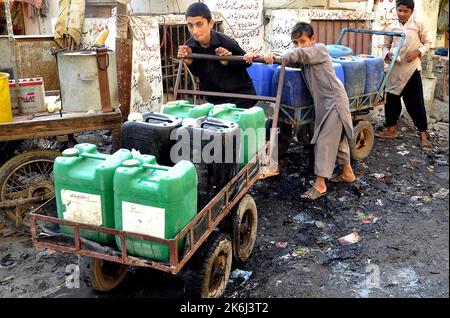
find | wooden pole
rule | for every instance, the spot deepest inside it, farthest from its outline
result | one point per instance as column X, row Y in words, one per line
column 124, row 51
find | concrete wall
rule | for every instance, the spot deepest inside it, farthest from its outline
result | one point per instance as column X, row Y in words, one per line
column 161, row 6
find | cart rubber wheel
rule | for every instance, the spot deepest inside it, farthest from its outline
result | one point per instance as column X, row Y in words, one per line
column 27, row 175
column 363, row 139
column 284, row 137
column 101, row 275
column 244, row 222
column 210, row 268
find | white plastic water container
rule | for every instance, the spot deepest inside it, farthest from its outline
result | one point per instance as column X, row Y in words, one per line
column 78, row 78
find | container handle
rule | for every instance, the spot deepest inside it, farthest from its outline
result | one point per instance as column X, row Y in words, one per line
column 213, row 122
column 93, row 156
column 155, row 167
column 157, row 116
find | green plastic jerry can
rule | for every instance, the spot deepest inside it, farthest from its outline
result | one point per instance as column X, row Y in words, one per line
column 84, row 188
column 184, row 109
column 252, row 124
column 154, row 200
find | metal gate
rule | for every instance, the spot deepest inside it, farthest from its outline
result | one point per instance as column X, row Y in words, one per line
column 327, row 31
column 172, row 36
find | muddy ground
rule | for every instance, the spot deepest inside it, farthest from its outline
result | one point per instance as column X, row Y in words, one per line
column 398, row 206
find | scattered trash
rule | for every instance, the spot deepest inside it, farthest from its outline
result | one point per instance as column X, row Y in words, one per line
column 6, row 261
column 386, row 177
column 285, row 257
column 379, row 202
column 403, row 153
column 366, row 219
column 278, row 282
column 350, row 239
column 379, row 176
column 430, row 168
column 46, row 252
column 7, row 280
column 402, row 147
column 441, row 194
column 427, row 199
column 245, row 275
column 342, row 199
column 363, row 165
column 304, row 218
column 416, row 161
column 300, row 251
column 364, row 183
column 320, row 224
column 281, row 244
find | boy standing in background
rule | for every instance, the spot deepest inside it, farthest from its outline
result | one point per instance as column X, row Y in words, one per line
column 404, row 80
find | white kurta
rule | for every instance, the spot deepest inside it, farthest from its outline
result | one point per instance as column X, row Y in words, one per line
column 416, row 39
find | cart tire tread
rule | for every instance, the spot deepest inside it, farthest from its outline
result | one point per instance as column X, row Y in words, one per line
column 363, row 140
column 92, row 273
column 246, row 208
column 199, row 272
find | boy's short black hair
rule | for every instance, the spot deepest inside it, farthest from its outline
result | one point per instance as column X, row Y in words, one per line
column 199, row 9
column 300, row 28
column 408, row 3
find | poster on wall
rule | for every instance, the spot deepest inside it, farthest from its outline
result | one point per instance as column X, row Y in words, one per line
column 278, row 30
column 385, row 14
column 92, row 27
column 146, row 78
column 243, row 21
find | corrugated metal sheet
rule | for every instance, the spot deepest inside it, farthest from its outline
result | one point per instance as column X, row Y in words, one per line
column 327, row 32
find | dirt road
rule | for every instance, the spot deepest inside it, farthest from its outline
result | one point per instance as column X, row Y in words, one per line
column 398, row 207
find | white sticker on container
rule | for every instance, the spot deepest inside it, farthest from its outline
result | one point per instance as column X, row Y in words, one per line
column 142, row 219
column 82, row 207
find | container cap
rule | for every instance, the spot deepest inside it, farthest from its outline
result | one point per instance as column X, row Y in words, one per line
column 131, row 163
column 71, row 152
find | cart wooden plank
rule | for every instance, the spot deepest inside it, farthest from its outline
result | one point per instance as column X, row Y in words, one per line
column 45, row 125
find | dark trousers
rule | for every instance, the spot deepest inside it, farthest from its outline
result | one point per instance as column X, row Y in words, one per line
column 413, row 97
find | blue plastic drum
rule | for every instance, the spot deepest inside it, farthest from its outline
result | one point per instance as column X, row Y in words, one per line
column 374, row 72
column 261, row 75
column 339, row 70
column 295, row 91
column 355, row 75
column 337, row 51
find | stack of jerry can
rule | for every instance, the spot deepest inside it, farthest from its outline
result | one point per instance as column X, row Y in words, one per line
column 213, row 145
column 184, row 109
column 154, row 200
column 84, row 188
column 152, row 136
column 252, row 124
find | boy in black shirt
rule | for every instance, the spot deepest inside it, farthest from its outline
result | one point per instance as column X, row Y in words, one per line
column 216, row 76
